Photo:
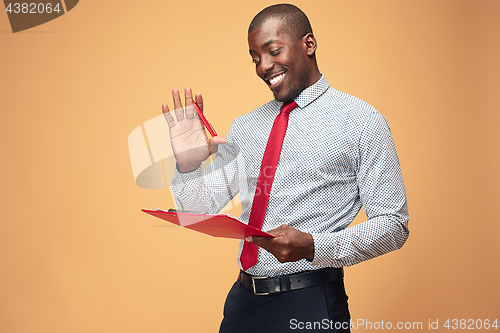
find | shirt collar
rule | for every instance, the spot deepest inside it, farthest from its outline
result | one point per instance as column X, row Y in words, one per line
column 309, row 94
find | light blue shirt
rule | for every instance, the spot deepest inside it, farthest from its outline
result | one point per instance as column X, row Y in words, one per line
column 337, row 156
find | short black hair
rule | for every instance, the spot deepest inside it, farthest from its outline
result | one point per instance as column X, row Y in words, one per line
column 295, row 21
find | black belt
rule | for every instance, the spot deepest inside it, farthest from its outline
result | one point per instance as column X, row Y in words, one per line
column 279, row 284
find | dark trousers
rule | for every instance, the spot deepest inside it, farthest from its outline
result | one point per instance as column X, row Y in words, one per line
column 321, row 308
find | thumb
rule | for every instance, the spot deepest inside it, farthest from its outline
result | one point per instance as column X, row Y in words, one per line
column 215, row 142
column 257, row 240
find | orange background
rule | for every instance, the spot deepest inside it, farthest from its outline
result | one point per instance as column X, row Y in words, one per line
column 77, row 254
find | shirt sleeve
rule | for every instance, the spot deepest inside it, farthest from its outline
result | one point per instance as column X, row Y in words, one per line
column 210, row 189
column 382, row 194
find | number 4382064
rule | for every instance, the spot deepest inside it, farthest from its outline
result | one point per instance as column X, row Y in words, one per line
column 32, row 8
column 471, row 324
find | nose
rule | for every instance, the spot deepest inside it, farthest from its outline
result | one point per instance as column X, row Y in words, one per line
column 265, row 65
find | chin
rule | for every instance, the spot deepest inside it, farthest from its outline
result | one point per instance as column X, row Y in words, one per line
column 283, row 97
column 278, row 98
column 288, row 96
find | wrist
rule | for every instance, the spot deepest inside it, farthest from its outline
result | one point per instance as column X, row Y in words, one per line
column 310, row 248
column 186, row 169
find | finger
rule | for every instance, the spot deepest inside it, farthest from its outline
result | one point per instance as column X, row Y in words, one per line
column 259, row 240
column 189, row 107
column 168, row 116
column 199, row 101
column 281, row 230
column 179, row 111
column 215, row 142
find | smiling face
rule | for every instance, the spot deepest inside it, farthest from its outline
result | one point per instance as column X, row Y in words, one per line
column 285, row 63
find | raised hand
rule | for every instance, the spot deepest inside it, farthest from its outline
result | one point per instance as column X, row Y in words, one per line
column 189, row 141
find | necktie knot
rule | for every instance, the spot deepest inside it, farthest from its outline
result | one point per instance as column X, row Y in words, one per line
column 288, row 106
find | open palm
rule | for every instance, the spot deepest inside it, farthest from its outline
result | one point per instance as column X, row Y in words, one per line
column 187, row 135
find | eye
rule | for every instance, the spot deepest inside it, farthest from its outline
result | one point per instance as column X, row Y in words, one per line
column 255, row 60
column 274, row 52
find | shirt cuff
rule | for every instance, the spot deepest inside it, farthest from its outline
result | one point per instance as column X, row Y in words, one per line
column 188, row 175
column 324, row 245
column 185, row 179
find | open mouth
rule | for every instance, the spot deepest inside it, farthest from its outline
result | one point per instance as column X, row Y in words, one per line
column 275, row 80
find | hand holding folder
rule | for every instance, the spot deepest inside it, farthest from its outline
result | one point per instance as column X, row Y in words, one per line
column 220, row 225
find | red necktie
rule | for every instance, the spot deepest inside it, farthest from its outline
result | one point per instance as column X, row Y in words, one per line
column 249, row 253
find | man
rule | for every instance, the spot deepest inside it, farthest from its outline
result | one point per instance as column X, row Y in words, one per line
column 333, row 153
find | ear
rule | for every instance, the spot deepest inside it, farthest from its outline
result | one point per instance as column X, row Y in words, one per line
column 310, row 44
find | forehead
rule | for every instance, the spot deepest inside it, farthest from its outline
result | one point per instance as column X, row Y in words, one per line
column 270, row 31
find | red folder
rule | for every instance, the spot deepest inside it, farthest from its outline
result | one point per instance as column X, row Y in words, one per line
column 220, row 225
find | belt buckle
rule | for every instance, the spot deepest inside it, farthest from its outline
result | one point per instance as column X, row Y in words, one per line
column 253, row 285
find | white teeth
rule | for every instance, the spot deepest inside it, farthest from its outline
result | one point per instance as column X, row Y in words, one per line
column 276, row 79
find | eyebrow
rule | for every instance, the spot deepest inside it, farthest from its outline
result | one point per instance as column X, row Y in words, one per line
column 265, row 44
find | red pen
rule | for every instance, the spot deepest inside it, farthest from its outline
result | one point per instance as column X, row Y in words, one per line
column 204, row 120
